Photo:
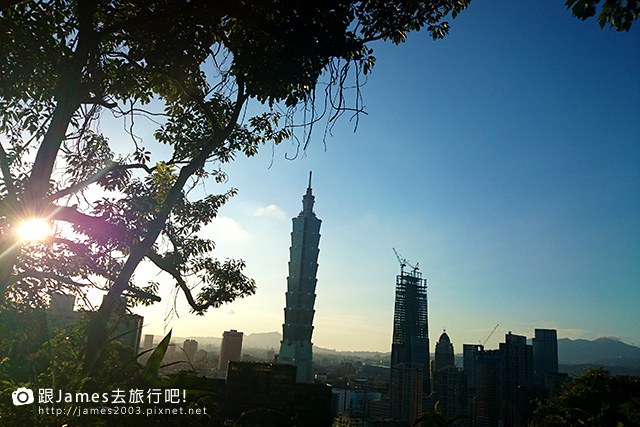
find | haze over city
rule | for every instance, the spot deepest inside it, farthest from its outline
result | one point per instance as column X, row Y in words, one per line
column 504, row 159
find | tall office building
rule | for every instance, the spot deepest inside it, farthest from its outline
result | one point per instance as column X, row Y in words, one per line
column 295, row 348
column 190, row 348
column 170, row 355
column 489, row 389
column 449, row 383
column 444, row 352
column 545, row 354
column 450, row 391
column 469, row 355
column 410, row 343
column 230, row 349
column 148, row 342
column 517, row 376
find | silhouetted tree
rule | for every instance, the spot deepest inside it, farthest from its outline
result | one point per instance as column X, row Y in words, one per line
column 596, row 398
column 191, row 67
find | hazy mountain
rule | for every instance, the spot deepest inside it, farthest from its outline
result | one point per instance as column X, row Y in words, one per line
column 268, row 340
column 271, row 340
column 602, row 351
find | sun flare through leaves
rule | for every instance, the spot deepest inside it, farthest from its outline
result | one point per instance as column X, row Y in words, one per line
column 34, row 229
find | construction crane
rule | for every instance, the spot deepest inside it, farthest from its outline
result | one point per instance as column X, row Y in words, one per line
column 490, row 333
column 404, row 263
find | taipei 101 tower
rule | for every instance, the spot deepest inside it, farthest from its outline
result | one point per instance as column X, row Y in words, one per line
column 295, row 348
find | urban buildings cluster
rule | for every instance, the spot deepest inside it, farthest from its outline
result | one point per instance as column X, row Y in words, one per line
column 189, row 356
column 493, row 387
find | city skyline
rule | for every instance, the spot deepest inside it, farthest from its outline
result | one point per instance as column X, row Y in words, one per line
column 492, row 158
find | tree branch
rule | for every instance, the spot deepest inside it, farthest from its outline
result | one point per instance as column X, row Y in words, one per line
column 81, row 249
column 99, row 101
column 6, row 173
column 42, row 275
column 93, row 226
column 167, row 266
column 7, row 4
column 96, row 177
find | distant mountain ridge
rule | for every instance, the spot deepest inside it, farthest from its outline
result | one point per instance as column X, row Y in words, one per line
column 602, row 351
column 266, row 340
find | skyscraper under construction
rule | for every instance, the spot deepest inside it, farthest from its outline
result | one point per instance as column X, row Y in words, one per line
column 410, row 345
column 295, row 348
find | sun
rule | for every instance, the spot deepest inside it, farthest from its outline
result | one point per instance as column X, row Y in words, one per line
column 34, row 229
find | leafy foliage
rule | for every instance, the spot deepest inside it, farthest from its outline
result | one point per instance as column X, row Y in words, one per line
column 617, row 13
column 594, row 399
column 150, row 372
column 434, row 418
column 39, row 355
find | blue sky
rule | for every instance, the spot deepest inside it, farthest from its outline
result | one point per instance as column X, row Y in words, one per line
column 505, row 159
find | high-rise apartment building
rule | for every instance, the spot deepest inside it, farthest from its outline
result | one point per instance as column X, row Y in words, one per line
column 410, row 343
column 230, row 349
column 545, row 354
column 296, row 347
column 406, row 393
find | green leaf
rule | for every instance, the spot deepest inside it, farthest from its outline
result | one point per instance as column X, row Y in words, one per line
column 149, row 373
